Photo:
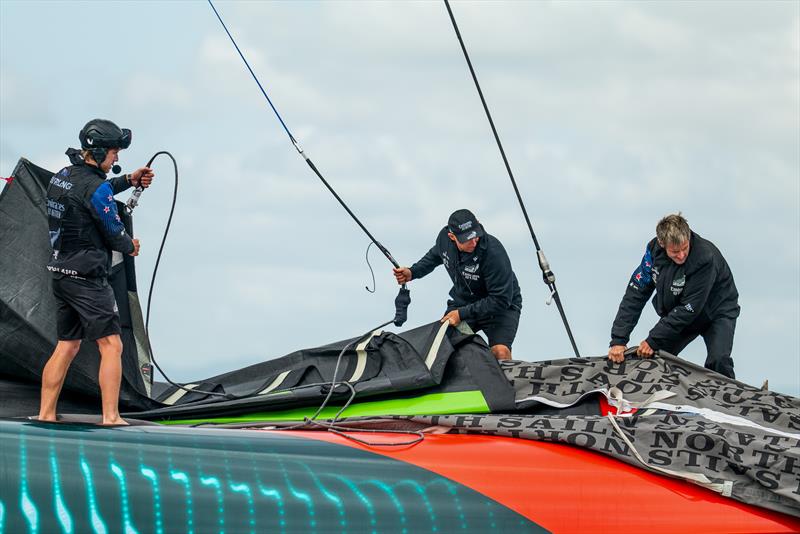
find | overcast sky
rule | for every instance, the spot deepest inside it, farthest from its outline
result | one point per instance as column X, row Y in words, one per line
column 612, row 114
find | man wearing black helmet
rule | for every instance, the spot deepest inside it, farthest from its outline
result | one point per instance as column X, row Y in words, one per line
column 85, row 228
column 485, row 291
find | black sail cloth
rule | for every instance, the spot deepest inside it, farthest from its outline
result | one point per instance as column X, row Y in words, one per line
column 28, row 309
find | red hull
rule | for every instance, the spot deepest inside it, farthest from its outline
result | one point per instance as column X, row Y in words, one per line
column 567, row 489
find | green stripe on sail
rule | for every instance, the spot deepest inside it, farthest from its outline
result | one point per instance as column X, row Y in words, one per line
column 433, row 404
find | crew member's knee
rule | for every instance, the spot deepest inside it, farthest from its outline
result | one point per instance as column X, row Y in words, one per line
column 111, row 344
column 501, row 352
column 68, row 348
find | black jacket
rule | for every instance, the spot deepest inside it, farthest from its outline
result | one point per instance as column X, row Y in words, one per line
column 692, row 294
column 483, row 282
column 84, row 223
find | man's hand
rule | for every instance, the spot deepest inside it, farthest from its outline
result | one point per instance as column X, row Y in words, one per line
column 644, row 350
column 617, row 353
column 135, row 248
column 402, row 274
column 452, row 317
column 143, row 177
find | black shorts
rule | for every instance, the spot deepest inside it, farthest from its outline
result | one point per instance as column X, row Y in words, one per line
column 87, row 309
column 501, row 329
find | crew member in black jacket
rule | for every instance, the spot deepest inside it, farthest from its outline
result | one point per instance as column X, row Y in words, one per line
column 485, row 291
column 84, row 229
column 695, row 296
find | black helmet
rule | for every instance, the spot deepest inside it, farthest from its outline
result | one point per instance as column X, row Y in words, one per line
column 99, row 133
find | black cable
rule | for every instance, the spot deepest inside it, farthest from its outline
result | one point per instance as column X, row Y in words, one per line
column 153, row 282
column 297, row 145
column 366, row 256
column 547, row 274
column 345, row 433
column 403, row 300
column 334, row 384
column 152, row 286
column 330, row 424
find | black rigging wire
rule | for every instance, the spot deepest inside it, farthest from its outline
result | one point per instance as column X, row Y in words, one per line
column 402, row 300
column 366, row 256
column 330, row 424
column 547, row 274
column 153, row 281
column 297, row 145
column 333, row 384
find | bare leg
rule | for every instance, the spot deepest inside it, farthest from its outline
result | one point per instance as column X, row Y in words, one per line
column 501, row 352
column 53, row 375
column 110, row 377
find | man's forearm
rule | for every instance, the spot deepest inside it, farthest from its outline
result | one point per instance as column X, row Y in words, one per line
column 630, row 309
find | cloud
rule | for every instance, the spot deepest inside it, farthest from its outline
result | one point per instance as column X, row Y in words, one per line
column 25, row 101
column 147, row 92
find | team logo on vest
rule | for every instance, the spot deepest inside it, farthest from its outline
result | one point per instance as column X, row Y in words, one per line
column 470, row 272
column 655, row 274
column 677, row 285
column 54, row 209
column 63, row 184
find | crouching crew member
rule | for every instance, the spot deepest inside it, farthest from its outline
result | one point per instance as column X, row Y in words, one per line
column 485, row 291
column 695, row 296
column 84, row 228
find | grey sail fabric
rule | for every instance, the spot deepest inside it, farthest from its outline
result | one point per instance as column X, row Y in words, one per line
column 674, row 418
column 563, row 382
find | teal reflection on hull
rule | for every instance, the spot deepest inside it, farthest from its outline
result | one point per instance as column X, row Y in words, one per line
column 83, row 478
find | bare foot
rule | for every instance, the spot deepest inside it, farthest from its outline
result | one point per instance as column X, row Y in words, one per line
column 119, row 421
column 46, row 418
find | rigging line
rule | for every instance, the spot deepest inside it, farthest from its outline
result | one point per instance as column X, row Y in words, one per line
column 331, row 424
column 149, row 344
column 366, row 256
column 297, row 145
column 547, row 274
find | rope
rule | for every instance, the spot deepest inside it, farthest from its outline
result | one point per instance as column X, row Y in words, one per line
column 403, row 300
column 547, row 274
column 330, row 424
column 153, row 283
column 297, row 145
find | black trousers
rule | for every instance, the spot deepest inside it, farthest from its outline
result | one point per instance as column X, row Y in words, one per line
column 718, row 337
